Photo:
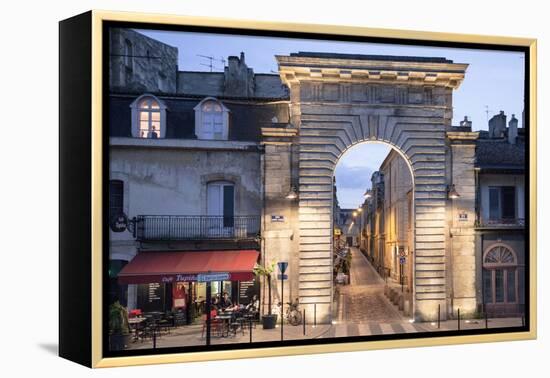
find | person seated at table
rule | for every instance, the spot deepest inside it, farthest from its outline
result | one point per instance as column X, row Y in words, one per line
column 215, row 303
column 225, row 302
column 254, row 304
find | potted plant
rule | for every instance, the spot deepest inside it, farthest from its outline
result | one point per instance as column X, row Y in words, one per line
column 119, row 330
column 269, row 320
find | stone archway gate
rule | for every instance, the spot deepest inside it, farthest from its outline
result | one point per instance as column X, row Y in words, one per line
column 338, row 100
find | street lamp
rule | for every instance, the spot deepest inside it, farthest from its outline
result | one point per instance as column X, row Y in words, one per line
column 292, row 194
column 452, row 193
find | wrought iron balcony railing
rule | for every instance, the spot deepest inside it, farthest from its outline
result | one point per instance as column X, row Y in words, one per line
column 196, row 227
column 502, row 222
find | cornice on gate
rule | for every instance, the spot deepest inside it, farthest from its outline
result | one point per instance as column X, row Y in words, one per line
column 440, row 72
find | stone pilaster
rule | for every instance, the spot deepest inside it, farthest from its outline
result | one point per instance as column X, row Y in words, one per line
column 462, row 252
column 279, row 213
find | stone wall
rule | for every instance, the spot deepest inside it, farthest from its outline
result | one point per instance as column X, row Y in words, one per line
column 213, row 84
column 397, row 184
column 141, row 64
column 153, row 175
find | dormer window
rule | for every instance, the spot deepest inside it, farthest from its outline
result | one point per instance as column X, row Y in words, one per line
column 148, row 117
column 211, row 120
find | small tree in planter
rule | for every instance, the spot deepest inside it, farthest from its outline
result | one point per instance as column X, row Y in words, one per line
column 269, row 320
column 119, row 329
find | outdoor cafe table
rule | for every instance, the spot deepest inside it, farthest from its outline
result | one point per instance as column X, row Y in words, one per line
column 135, row 322
column 225, row 317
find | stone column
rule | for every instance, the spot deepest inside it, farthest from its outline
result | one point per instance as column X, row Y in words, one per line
column 462, row 264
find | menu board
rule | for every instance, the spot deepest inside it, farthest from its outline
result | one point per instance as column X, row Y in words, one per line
column 179, row 317
column 247, row 289
column 150, row 297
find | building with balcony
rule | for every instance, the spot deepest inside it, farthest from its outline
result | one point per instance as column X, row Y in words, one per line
column 185, row 170
column 500, row 217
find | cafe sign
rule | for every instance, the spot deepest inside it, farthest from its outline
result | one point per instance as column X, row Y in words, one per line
column 209, row 277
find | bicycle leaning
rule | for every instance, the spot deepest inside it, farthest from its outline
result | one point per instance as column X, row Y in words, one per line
column 293, row 316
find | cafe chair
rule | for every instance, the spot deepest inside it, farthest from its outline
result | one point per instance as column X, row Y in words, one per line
column 215, row 326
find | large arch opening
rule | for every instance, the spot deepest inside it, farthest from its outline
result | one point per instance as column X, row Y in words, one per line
column 373, row 238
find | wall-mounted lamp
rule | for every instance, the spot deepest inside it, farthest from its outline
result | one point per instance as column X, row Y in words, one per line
column 360, row 209
column 292, row 194
column 452, row 193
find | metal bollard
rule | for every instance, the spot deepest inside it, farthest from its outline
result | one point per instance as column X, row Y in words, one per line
column 486, row 320
column 315, row 315
column 523, row 320
column 304, row 321
column 250, row 328
column 154, row 337
column 439, row 316
column 458, row 319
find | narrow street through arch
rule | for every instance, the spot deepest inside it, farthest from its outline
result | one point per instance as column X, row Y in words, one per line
column 361, row 308
column 363, row 300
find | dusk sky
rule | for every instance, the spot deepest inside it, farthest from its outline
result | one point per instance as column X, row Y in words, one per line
column 494, row 81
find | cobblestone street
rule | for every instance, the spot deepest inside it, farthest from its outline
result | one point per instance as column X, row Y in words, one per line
column 363, row 301
column 362, row 309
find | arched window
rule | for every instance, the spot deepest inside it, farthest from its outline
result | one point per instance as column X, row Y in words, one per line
column 500, row 276
column 148, row 117
column 211, row 120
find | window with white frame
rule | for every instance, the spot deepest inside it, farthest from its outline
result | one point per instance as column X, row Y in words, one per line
column 221, row 202
column 211, row 120
column 148, row 117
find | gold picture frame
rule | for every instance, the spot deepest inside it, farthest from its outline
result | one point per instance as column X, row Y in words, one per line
column 92, row 329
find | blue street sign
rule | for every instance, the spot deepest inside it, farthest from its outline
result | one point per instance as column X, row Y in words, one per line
column 282, row 266
column 208, row 277
column 282, row 276
column 402, row 260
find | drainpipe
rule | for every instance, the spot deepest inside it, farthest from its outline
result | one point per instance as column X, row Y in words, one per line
column 451, row 256
column 262, row 224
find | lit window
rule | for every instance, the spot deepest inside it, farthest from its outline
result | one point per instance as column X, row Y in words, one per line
column 211, row 120
column 148, row 118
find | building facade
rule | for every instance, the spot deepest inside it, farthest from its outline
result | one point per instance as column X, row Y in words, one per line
column 500, row 218
column 185, row 164
column 499, row 194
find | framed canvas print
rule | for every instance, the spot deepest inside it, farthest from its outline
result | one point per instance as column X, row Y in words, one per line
column 235, row 189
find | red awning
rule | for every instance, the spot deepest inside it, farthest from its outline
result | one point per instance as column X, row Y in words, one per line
column 164, row 267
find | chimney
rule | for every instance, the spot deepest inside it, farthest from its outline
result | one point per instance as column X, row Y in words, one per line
column 238, row 78
column 512, row 130
column 466, row 122
column 497, row 125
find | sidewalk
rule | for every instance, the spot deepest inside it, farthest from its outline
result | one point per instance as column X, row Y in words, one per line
column 191, row 335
